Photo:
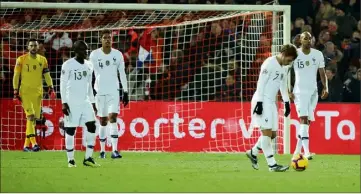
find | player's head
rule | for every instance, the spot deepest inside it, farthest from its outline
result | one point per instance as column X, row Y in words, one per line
column 288, row 54
column 80, row 49
column 32, row 46
column 106, row 38
column 306, row 39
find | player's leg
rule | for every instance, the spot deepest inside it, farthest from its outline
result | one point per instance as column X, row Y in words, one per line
column 37, row 110
column 101, row 106
column 69, row 145
column 89, row 117
column 268, row 131
column 27, row 103
column 113, row 110
column 302, row 104
column 310, row 118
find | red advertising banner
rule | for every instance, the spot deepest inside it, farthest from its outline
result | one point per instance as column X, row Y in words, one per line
column 192, row 127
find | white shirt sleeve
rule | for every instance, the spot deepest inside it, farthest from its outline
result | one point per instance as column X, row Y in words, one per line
column 123, row 76
column 262, row 80
column 64, row 77
column 90, row 89
column 284, row 88
column 92, row 60
column 321, row 58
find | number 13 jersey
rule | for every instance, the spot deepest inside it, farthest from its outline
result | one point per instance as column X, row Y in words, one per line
column 305, row 67
column 76, row 83
column 106, row 68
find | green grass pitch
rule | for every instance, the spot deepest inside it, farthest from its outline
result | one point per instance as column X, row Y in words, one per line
column 174, row 172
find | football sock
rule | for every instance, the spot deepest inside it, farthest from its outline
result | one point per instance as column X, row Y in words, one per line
column 27, row 142
column 298, row 145
column 257, row 147
column 267, row 150
column 90, row 140
column 102, row 137
column 304, row 136
column 114, row 136
column 30, row 132
column 69, row 146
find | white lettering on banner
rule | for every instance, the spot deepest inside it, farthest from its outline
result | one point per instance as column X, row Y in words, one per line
column 193, row 128
column 176, row 120
column 157, row 123
column 340, row 126
column 121, row 129
column 245, row 133
column 145, row 127
column 214, row 123
column 295, row 123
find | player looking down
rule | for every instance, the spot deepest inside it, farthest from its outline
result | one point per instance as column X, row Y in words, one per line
column 305, row 95
column 78, row 103
column 272, row 78
column 107, row 63
column 28, row 88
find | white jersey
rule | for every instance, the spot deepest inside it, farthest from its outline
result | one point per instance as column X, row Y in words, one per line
column 76, row 82
column 272, row 78
column 305, row 67
column 106, row 68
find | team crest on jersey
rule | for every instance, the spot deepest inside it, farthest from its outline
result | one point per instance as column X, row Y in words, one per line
column 63, row 71
column 281, row 77
column 107, row 63
column 314, row 61
column 84, row 73
column 265, row 71
column 307, row 63
column 40, row 64
column 34, row 67
column 114, row 59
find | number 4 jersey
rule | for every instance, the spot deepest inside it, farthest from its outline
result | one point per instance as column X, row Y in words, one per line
column 76, row 82
column 305, row 67
column 106, row 68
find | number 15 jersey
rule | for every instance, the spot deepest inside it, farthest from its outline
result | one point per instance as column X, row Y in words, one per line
column 106, row 68
column 305, row 67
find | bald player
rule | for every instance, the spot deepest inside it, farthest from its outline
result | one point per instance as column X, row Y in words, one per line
column 308, row 63
column 78, row 103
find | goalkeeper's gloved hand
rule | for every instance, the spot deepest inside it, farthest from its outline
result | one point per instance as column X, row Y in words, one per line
column 125, row 99
column 258, row 109
column 287, row 109
column 51, row 93
column 17, row 99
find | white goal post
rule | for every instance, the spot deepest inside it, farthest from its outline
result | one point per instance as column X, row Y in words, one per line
column 250, row 24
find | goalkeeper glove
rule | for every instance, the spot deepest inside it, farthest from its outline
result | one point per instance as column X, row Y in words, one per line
column 287, row 109
column 125, row 99
column 258, row 109
column 51, row 93
column 17, row 99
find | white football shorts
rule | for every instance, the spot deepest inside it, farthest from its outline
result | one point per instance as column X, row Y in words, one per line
column 79, row 115
column 107, row 104
column 269, row 117
column 306, row 104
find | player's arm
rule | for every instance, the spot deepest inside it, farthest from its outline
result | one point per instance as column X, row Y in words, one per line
column 64, row 78
column 16, row 78
column 261, row 83
column 48, row 80
column 90, row 90
column 123, row 80
column 284, row 94
column 322, row 72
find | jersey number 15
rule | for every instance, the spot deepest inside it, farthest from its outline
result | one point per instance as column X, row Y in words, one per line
column 300, row 64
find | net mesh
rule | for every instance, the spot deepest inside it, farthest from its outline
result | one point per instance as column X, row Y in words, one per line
column 200, row 61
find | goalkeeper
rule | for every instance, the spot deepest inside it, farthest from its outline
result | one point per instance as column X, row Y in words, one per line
column 28, row 88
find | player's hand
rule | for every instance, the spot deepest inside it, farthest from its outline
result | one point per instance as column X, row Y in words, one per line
column 17, row 99
column 51, row 93
column 258, row 109
column 287, row 109
column 125, row 99
column 324, row 94
column 65, row 109
column 95, row 109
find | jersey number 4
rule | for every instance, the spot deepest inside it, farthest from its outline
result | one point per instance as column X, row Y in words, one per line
column 77, row 76
column 101, row 65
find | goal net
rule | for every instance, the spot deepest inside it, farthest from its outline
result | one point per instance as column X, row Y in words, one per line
column 191, row 70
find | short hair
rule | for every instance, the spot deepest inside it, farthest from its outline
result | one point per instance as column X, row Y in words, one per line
column 31, row 40
column 289, row 50
column 105, row 32
column 332, row 69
